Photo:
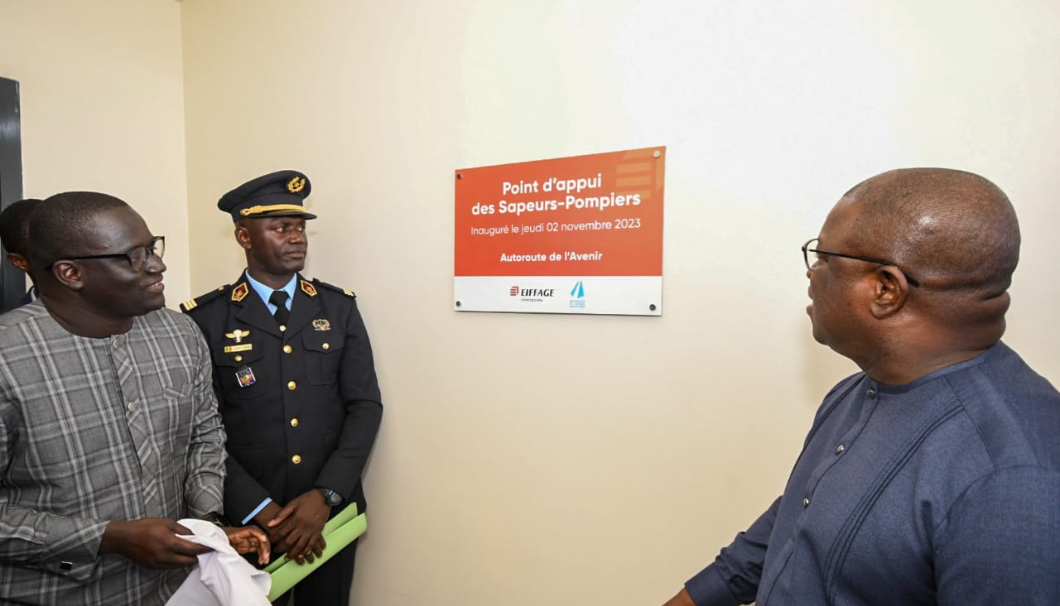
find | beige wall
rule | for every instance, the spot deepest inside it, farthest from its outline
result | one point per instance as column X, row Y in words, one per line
column 102, row 108
column 532, row 460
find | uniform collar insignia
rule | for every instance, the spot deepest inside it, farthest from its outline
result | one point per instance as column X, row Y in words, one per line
column 238, row 334
column 320, row 325
column 240, row 292
column 308, row 288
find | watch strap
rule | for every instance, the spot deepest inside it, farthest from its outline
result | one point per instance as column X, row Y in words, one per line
column 331, row 497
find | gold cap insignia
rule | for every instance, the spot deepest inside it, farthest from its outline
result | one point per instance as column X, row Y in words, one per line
column 320, row 325
column 240, row 292
column 308, row 288
column 296, row 184
column 238, row 334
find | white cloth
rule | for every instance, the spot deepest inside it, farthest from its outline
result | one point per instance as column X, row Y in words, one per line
column 222, row 577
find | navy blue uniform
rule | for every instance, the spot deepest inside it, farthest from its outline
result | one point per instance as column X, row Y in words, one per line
column 301, row 406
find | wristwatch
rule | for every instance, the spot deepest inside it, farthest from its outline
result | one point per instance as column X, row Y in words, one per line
column 331, row 497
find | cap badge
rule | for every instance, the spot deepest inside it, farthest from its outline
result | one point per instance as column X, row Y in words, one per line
column 296, row 184
column 320, row 325
column 237, row 334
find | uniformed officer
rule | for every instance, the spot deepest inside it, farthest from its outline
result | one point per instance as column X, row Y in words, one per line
column 295, row 383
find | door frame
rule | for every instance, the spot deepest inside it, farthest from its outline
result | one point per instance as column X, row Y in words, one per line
column 12, row 280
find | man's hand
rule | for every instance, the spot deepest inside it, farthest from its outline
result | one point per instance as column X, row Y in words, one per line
column 151, row 542
column 681, row 599
column 248, row 539
column 296, row 528
column 262, row 519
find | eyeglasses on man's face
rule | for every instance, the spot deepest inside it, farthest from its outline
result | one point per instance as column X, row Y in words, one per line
column 811, row 255
column 137, row 256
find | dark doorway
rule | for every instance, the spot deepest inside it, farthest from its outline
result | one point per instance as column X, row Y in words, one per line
column 12, row 280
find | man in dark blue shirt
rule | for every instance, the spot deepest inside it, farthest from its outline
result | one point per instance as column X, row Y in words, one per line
column 932, row 476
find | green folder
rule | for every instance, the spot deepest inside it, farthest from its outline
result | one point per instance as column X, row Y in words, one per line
column 339, row 532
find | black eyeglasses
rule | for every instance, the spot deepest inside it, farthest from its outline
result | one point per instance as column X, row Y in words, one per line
column 137, row 256
column 817, row 254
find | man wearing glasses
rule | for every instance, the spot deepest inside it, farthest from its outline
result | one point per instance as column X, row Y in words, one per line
column 109, row 430
column 932, row 476
column 296, row 383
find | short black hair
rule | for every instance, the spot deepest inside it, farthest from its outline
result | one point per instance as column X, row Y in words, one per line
column 61, row 225
column 955, row 228
column 14, row 225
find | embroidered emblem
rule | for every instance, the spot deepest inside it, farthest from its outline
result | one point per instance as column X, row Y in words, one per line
column 189, row 305
column 240, row 292
column 320, row 325
column 296, row 184
column 235, row 348
column 245, row 376
column 238, row 334
column 308, row 289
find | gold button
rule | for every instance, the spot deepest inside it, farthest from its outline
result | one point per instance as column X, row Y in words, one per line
column 287, row 349
column 326, row 346
column 239, row 358
column 294, row 422
column 291, row 385
column 296, row 459
column 282, row 328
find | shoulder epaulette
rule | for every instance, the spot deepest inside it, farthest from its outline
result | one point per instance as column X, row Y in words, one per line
column 197, row 301
column 349, row 293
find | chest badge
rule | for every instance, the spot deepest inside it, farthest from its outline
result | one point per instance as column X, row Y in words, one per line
column 320, row 325
column 245, row 376
column 238, row 334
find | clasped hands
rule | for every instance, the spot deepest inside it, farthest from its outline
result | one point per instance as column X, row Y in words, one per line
column 297, row 528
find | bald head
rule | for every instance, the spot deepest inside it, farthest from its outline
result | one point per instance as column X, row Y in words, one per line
column 956, row 233
column 950, row 229
column 951, row 243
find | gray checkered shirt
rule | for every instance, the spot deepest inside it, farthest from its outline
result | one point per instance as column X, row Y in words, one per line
column 93, row 430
